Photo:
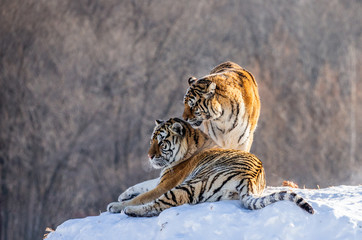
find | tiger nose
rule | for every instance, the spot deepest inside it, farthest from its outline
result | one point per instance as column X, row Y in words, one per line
column 150, row 156
column 185, row 115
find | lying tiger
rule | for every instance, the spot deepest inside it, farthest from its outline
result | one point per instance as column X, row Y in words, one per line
column 195, row 171
column 227, row 103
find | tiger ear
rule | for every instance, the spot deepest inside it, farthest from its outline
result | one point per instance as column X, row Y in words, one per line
column 177, row 129
column 158, row 122
column 210, row 90
column 191, row 80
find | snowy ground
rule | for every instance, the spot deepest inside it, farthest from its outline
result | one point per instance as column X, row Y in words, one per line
column 338, row 215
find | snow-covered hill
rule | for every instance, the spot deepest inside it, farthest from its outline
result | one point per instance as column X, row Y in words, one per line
column 338, row 215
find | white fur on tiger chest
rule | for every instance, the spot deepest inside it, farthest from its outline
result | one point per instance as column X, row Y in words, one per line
column 230, row 131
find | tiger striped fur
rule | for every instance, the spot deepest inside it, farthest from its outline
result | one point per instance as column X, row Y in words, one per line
column 227, row 103
column 190, row 175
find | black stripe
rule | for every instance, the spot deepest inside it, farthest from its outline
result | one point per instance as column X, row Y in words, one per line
column 306, row 206
column 241, row 136
column 240, row 74
column 292, row 196
column 251, row 76
column 272, row 198
column 214, row 179
column 166, row 203
column 212, row 128
column 224, row 182
column 187, row 141
column 173, row 196
column 192, row 196
column 211, row 106
column 220, row 130
column 241, row 182
column 196, row 139
column 178, row 150
column 203, row 81
column 202, row 190
column 202, row 107
column 254, row 203
column 299, row 201
column 232, row 111
column 189, row 194
column 156, row 202
column 282, row 195
column 236, row 121
column 167, row 197
column 262, row 203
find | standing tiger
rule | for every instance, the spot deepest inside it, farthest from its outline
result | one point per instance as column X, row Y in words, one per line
column 227, row 103
column 190, row 175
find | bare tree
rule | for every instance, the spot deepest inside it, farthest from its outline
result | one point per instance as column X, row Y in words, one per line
column 81, row 83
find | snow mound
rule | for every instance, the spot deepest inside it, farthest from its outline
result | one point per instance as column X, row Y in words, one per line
column 338, row 215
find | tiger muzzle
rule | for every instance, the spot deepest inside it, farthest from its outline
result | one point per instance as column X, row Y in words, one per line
column 157, row 162
column 195, row 123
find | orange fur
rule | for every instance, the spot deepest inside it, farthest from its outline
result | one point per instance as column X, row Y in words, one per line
column 230, row 95
column 195, row 171
column 290, row 184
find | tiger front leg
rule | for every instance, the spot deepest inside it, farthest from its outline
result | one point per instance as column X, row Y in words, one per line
column 129, row 196
column 175, row 197
column 138, row 189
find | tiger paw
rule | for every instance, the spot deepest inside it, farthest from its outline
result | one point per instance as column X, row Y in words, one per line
column 128, row 194
column 141, row 211
column 133, row 211
column 116, row 207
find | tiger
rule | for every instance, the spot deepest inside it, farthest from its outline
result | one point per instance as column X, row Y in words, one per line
column 227, row 103
column 200, row 141
column 191, row 175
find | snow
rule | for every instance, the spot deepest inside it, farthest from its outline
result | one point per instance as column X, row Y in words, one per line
column 338, row 215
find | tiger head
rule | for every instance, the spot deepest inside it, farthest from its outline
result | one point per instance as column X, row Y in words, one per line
column 200, row 103
column 168, row 144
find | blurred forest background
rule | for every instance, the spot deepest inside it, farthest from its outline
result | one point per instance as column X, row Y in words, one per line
column 81, row 83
